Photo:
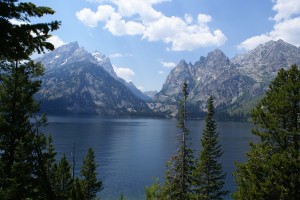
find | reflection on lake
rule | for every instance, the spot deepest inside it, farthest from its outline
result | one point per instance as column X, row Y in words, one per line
column 132, row 151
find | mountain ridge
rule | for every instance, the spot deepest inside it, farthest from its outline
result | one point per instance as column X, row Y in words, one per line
column 233, row 82
column 79, row 82
column 236, row 83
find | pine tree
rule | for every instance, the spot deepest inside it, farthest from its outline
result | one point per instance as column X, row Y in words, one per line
column 208, row 173
column 90, row 184
column 154, row 192
column 63, row 179
column 122, row 197
column 18, row 139
column 77, row 193
column 21, row 145
column 178, row 181
column 19, row 41
column 272, row 170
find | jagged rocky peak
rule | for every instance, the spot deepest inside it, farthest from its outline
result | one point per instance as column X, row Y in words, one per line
column 55, row 58
column 71, row 47
column 270, row 53
column 182, row 66
column 215, row 58
column 99, row 56
column 183, row 63
column 201, row 61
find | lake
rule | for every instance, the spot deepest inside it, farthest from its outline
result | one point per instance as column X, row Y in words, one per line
column 131, row 152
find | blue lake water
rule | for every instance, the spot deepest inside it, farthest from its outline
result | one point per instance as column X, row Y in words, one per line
column 131, row 152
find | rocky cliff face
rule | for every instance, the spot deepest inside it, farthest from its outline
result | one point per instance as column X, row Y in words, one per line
column 80, row 82
column 263, row 62
column 234, row 83
column 77, row 81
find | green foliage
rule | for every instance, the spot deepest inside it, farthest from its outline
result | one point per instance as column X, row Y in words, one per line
column 122, row 197
column 27, row 158
column 90, row 184
column 21, row 144
column 63, row 178
column 19, row 41
column 272, row 169
column 77, row 193
column 178, row 180
column 23, row 150
column 208, row 174
column 154, row 192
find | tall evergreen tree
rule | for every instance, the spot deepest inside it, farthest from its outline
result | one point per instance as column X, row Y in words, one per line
column 63, row 179
column 208, row 174
column 154, row 192
column 90, row 184
column 178, row 180
column 21, row 148
column 272, row 170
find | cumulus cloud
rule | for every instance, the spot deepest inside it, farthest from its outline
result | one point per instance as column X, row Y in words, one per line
column 168, row 64
column 56, row 41
column 286, row 9
column 124, row 73
column 91, row 19
column 286, row 26
column 203, row 18
column 117, row 26
column 188, row 18
column 136, row 17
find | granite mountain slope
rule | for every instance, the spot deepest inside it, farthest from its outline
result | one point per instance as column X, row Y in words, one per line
column 79, row 82
column 236, row 84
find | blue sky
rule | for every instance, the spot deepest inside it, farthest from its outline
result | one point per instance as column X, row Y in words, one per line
column 146, row 38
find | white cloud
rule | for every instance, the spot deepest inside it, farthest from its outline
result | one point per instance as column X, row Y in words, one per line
column 91, row 19
column 124, row 73
column 56, row 41
column 253, row 42
column 203, row 18
column 118, row 55
column 286, row 9
column 168, row 64
column 115, row 55
column 117, row 26
column 188, row 18
column 286, row 27
column 136, row 17
column 160, row 72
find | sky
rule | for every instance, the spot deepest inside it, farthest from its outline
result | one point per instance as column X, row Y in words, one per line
column 145, row 39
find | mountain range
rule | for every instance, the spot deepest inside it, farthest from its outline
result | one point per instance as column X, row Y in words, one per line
column 79, row 82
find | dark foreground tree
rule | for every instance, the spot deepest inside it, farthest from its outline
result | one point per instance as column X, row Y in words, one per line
column 19, row 38
column 208, row 174
column 63, row 179
column 272, row 170
column 22, row 145
column 23, row 153
column 178, row 180
column 90, row 184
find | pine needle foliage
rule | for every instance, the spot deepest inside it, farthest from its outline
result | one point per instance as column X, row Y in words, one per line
column 178, row 180
column 272, row 169
column 209, row 178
